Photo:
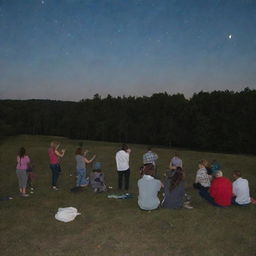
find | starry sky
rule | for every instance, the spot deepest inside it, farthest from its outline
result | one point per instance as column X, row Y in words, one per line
column 73, row 49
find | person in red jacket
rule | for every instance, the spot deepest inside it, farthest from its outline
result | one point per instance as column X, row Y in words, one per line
column 220, row 192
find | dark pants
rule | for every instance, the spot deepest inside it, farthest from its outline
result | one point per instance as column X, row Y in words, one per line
column 123, row 175
column 55, row 173
column 206, row 195
column 235, row 203
column 199, row 187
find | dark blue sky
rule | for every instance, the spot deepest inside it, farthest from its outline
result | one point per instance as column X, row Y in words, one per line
column 73, row 49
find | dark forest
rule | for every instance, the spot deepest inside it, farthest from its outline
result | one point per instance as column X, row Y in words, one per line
column 223, row 121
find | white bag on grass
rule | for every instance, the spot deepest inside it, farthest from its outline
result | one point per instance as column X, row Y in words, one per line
column 66, row 214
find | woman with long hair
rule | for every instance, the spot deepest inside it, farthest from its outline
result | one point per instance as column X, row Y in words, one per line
column 174, row 190
column 81, row 162
column 54, row 155
column 21, row 170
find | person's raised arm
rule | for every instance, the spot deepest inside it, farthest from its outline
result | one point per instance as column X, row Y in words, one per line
column 89, row 161
column 85, row 152
column 60, row 154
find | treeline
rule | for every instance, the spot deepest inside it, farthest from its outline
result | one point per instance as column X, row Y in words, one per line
column 217, row 121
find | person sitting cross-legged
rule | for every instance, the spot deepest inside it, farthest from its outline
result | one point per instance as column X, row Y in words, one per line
column 148, row 189
column 241, row 192
column 220, row 192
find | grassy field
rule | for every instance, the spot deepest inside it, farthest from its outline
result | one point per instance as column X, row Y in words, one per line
column 117, row 227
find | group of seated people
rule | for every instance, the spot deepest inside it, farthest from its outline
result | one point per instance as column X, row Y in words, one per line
column 219, row 190
column 173, row 187
column 174, row 195
column 212, row 186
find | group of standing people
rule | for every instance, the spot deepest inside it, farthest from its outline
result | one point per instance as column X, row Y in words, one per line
column 212, row 186
column 96, row 179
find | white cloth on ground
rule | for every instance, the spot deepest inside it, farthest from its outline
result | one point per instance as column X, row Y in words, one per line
column 66, row 214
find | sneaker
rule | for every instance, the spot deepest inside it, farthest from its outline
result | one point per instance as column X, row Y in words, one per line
column 187, row 205
column 187, row 197
column 55, row 188
column 24, row 195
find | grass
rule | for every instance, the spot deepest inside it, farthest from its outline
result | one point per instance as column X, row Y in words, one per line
column 118, row 227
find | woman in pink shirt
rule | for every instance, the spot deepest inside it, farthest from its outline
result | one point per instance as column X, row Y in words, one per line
column 21, row 170
column 54, row 155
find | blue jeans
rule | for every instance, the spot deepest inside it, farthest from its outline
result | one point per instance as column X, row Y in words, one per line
column 81, row 177
column 55, row 173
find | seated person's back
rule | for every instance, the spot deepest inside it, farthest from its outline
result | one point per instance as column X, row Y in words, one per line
column 202, row 180
column 241, row 189
column 97, row 178
column 174, row 190
column 148, row 190
column 221, row 190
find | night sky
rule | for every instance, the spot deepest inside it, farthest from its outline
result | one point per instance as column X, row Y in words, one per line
column 73, row 49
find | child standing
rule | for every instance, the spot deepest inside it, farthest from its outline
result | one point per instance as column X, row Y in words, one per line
column 21, row 170
column 31, row 177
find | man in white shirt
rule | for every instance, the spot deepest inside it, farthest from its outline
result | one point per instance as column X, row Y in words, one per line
column 241, row 190
column 123, row 169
